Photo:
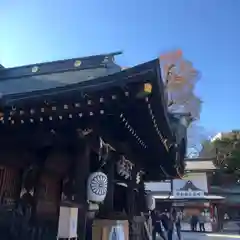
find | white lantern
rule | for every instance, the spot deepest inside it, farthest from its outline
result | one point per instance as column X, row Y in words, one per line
column 97, row 187
column 151, row 203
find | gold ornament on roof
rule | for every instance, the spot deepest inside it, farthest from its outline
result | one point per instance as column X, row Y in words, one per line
column 35, row 69
column 77, row 63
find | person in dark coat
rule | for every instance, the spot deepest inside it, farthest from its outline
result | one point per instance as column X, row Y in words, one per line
column 165, row 221
column 202, row 220
column 170, row 226
column 194, row 222
column 156, row 223
column 178, row 226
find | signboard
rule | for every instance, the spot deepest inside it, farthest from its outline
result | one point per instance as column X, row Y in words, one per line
column 198, row 182
column 67, row 223
column 188, row 194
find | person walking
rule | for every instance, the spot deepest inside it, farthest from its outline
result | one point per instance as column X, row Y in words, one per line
column 160, row 227
column 157, row 225
column 176, row 221
column 202, row 220
column 165, row 221
column 172, row 217
column 154, row 223
column 194, row 222
column 178, row 226
column 191, row 224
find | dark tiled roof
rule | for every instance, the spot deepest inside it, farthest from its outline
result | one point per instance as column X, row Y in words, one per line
column 189, row 185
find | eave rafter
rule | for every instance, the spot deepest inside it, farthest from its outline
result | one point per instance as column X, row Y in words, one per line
column 105, row 106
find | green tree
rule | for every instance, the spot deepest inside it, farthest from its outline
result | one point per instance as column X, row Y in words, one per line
column 199, row 144
column 208, row 149
column 228, row 152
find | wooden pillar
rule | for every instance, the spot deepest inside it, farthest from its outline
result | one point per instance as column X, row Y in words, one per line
column 81, row 172
column 40, row 157
column 133, row 226
column 220, row 216
column 142, row 197
column 131, row 194
column 107, row 209
column 19, row 186
column 109, row 200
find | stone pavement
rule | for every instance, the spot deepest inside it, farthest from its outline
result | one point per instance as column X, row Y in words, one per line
column 228, row 227
column 231, row 226
column 206, row 236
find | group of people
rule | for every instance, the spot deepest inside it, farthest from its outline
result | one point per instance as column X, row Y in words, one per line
column 165, row 222
column 195, row 220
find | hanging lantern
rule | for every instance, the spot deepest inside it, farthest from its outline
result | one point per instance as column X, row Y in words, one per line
column 151, row 202
column 97, row 187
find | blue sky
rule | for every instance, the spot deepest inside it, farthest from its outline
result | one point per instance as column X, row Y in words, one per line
column 207, row 31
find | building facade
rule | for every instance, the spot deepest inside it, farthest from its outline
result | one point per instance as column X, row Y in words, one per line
column 191, row 195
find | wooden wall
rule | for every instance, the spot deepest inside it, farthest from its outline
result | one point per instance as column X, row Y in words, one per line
column 49, row 189
column 9, row 184
column 48, row 196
